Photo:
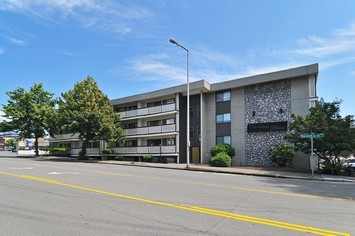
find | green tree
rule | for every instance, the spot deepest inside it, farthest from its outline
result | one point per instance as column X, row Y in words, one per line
column 339, row 133
column 86, row 111
column 31, row 113
column 10, row 142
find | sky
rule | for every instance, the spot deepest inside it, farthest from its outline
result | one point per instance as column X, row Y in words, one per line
column 124, row 45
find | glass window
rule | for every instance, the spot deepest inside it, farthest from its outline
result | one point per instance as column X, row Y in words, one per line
column 223, row 139
column 153, row 123
column 223, row 96
column 169, row 121
column 223, row 118
column 191, row 132
column 168, row 101
column 168, row 141
column 191, row 112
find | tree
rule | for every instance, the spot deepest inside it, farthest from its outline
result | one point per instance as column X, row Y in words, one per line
column 31, row 113
column 10, row 142
column 339, row 133
column 86, row 111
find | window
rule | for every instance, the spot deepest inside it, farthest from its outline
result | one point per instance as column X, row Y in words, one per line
column 154, row 104
column 131, row 143
column 168, row 101
column 223, row 139
column 168, row 141
column 132, row 125
column 223, row 96
column 154, row 123
column 153, row 142
column 223, row 118
column 198, row 111
column 169, row 121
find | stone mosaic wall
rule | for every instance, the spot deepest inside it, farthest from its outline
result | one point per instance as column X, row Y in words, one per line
column 268, row 102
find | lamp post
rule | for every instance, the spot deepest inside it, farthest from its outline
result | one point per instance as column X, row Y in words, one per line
column 173, row 41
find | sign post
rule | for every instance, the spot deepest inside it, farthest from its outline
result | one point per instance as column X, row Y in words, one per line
column 312, row 160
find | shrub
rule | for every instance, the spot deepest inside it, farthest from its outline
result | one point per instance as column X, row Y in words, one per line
column 119, row 158
column 223, row 147
column 148, row 157
column 222, row 159
column 282, row 154
column 107, row 151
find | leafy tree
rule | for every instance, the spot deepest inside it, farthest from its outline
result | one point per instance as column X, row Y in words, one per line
column 10, row 142
column 31, row 113
column 339, row 133
column 86, row 111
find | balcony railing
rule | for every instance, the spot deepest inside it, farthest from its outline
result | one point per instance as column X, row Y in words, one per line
column 147, row 111
column 64, row 136
column 151, row 130
column 145, row 150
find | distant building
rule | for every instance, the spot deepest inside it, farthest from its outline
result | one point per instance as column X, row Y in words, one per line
column 252, row 114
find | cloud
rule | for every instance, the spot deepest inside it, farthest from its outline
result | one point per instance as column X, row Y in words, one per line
column 340, row 41
column 18, row 42
column 68, row 53
column 1, row 51
column 102, row 15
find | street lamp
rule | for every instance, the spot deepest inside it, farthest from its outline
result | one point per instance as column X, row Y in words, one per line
column 173, row 41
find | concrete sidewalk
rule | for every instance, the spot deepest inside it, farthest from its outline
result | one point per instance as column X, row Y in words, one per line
column 254, row 171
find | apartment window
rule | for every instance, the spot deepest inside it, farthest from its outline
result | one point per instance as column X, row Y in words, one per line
column 154, row 123
column 154, row 104
column 131, row 143
column 169, row 121
column 168, row 141
column 223, row 139
column 198, row 111
column 153, row 142
column 132, row 125
column 169, row 101
column 223, row 118
column 223, row 96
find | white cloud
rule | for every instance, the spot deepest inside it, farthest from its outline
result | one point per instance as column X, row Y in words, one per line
column 18, row 42
column 104, row 15
column 340, row 41
column 2, row 51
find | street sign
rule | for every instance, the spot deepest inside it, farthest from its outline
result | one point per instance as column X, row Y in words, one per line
column 314, row 135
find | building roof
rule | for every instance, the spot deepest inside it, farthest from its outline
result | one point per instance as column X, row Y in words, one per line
column 202, row 85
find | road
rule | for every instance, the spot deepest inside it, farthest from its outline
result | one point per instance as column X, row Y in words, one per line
column 41, row 197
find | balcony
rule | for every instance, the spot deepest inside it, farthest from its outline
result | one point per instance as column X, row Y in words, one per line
column 62, row 137
column 145, row 150
column 147, row 111
column 151, row 130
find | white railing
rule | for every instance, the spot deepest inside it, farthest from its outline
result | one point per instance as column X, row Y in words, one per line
column 147, row 111
column 151, row 130
column 65, row 136
column 145, row 150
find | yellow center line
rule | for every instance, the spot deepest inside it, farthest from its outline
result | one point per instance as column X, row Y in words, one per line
column 198, row 183
column 237, row 217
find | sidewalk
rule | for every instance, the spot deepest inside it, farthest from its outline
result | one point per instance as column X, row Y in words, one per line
column 240, row 170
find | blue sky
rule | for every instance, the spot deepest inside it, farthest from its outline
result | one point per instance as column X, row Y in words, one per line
column 125, row 45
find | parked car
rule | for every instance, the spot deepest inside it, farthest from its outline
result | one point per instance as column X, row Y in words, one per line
column 349, row 163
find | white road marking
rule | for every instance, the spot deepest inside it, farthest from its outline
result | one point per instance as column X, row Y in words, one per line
column 61, row 173
column 20, row 168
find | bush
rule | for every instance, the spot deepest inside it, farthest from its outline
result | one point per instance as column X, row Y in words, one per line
column 56, row 151
column 222, row 159
column 282, row 154
column 119, row 158
column 222, row 147
column 148, row 157
column 107, row 151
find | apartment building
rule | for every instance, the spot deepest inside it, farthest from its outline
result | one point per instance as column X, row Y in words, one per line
column 251, row 114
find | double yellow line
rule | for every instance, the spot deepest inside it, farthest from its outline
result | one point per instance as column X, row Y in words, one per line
column 233, row 216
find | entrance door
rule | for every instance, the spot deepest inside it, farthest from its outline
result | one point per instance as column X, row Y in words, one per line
column 196, row 155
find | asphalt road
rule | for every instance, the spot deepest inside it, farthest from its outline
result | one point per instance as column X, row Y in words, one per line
column 40, row 197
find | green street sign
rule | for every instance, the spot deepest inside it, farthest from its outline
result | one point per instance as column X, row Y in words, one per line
column 315, row 135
